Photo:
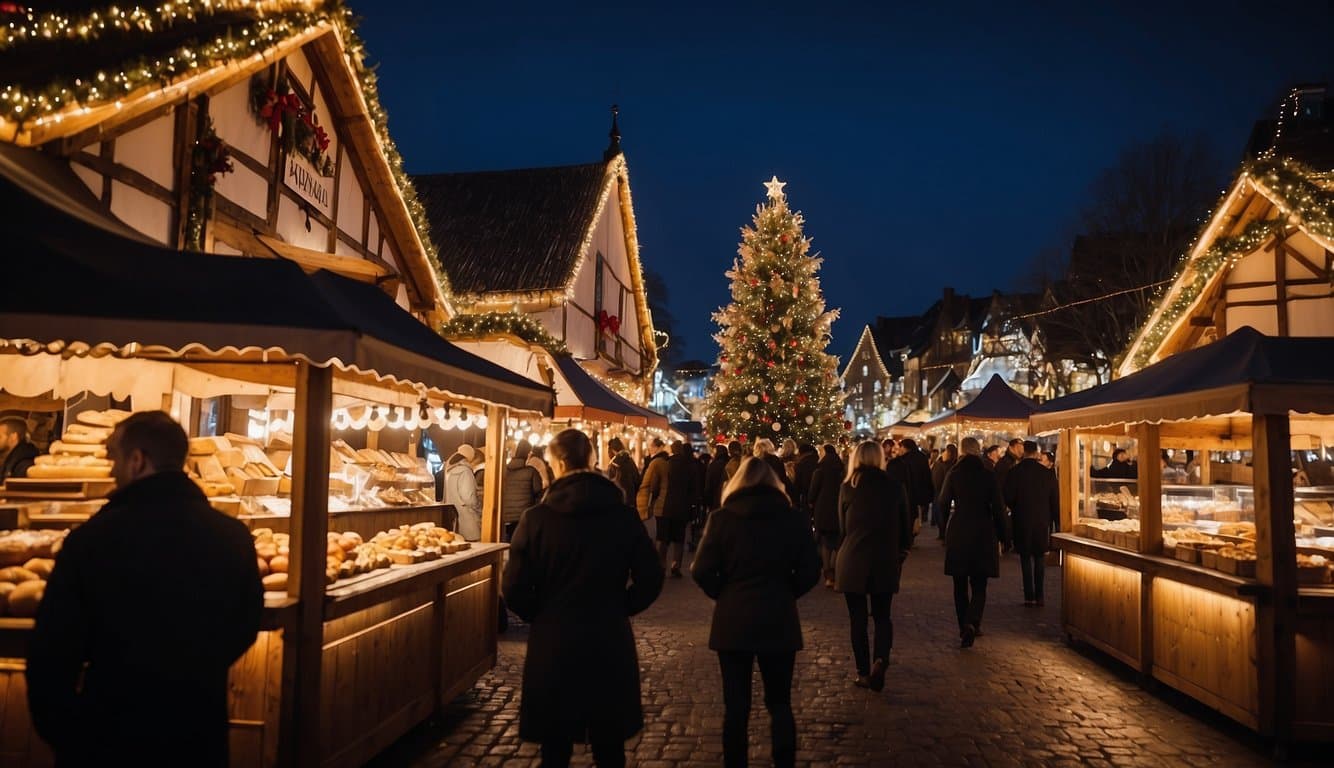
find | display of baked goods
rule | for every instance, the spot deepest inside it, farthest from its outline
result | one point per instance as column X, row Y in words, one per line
column 81, row 452
column 26, row 561
column 347, row 554
column 107, row 419
column 1313, row 569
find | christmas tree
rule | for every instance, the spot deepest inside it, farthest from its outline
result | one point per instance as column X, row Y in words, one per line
column 775, row 379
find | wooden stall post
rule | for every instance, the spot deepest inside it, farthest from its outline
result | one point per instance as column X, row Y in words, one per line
column 1276, row 568
column 1085, row 448
column 299, row 729
column 493, row 480
column 1067, row 466
column 1150, row 482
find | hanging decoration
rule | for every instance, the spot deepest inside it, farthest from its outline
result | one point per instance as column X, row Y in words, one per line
column 482, row 325
column 608, row 323
column 292, row 120
column 209, row 159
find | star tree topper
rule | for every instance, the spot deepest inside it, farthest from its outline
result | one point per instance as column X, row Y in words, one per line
column 775, row 187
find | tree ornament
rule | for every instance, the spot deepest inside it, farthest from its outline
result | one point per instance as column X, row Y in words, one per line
column 745, row 415
column 765, row 397
column 779, row 386
column 801, row 398
column 778, row 427
column 810, row 419
column 775, row 328
column 752, row 398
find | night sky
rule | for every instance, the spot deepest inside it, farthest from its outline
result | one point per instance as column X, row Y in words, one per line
column 925, row 146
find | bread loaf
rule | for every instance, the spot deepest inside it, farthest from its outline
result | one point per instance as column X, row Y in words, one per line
column 17, row 575
column 83, row 438
column 60, row 446
column 5, row 589
column 66, row 460
column 207, row 446
column 105, row 419
column 23, row 599
column 275, row 582
column 85, row 429
column 42, row 566
column 66, row 472
column 278, row 564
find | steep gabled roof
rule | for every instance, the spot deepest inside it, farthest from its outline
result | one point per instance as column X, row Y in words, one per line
column 516, row 231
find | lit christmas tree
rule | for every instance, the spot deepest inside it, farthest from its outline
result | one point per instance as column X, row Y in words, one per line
column 775, row 379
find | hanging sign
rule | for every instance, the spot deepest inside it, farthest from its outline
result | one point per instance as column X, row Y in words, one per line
column 301, row 177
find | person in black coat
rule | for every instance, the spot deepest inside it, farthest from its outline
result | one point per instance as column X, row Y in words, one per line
column 521, row 489
column 715, row 477
column 19, row 453
column 112, row 679
column 569, row 564
column 1014, row 453
column 825, row 483
column 921, row 491
column 1034, row 501
column 623, row 471
column 976, row 527
column 807, row 459
column 680, row 495
column 755, row 560
column 939, row 471
column 877, row 534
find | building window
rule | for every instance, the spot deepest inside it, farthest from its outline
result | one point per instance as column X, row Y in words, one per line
column 865, row 370
column 877, row 386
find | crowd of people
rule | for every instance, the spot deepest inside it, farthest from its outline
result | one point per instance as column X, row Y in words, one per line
column 767, row 524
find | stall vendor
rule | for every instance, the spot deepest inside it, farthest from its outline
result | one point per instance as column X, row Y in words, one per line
column 19, row 452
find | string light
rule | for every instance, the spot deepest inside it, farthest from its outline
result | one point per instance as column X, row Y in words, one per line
column 526, row 327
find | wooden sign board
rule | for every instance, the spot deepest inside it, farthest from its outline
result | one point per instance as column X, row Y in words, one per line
column 302, row 178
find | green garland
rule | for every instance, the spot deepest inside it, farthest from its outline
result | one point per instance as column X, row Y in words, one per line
column 238, row 40
column 525, row 327
column 1299, row 196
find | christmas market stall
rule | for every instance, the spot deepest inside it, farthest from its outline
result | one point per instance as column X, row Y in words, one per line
column 1221, row 591
column 376, row 616
column 995, row 415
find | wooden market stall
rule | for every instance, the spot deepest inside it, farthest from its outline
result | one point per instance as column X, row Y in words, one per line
column 997, row 410
column 340, row 669
column 1219, row 591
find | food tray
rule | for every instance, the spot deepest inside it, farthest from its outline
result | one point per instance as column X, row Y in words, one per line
column 1318, row 575
column 1209, row 559
column 1187, row 554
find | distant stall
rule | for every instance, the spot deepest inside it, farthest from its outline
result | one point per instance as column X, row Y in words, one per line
column 997, row 411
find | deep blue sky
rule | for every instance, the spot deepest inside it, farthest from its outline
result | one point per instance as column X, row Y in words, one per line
column 925, row 146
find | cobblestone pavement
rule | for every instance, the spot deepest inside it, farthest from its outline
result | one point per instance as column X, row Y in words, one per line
column 1020, row 696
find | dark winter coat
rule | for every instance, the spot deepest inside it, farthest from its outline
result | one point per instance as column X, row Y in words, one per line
column 18, row 461
column 1003, row 467
column 801, row 483
column 921, row 488
column 522, row 489
column 625, row 474
column 755, row 559
column 938, row 473
column 825, row 483
column 877, row 533
column 685, row 490
column 714, row 480
column 569, row 564
column 652, row 496
column 977, row 524
column 158, row 593
column 1034, row 501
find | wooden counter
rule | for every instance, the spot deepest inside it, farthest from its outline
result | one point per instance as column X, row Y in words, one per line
column 1197, row 630
column 364, row 521
column 399, row 644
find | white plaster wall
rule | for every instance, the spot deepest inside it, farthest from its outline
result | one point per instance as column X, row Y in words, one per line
column 1311, row 317
column 402, row 297
column 148, row 149
column 245, row 188
column 1262, row 319
column 92, row 179
column 550, row 319
column 325, row 118
column 230, row 111
column 299, row 68
column 224, row 249
column 142, row 212
column 292, row 227
column 1263, row 293
column 372, row 234
column 350, row 199
column 1255, row 267
column 1309, row 248
column 343, row 249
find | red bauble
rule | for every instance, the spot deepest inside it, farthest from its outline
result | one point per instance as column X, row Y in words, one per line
column 847, row 425
column 771, row 363
column 801, row 399
column 721, row 438
column 784, row 239
column 765, row 397
column 792, row 343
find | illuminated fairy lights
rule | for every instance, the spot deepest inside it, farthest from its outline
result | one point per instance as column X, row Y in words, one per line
column 1300, row 201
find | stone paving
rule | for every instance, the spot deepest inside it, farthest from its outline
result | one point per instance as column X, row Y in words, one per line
column 1020, row 696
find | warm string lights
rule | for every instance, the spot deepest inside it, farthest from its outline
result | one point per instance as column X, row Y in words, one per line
column 775, row 380
column 1300, row 201
column 525, row 327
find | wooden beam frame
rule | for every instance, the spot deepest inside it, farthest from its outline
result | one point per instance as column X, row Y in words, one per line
column 1276, row 568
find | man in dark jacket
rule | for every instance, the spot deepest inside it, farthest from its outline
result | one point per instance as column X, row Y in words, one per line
column 716, row 477
column 1014, row 453
column 1119, row 467
column 976, row 526
column 19, row 453
column 681, row 495
column 154, row 689
column 623, row 471
column 807, row 459
column 522, row 488
column 657, row 449
column 939, row 471
column 1031, row 494
column 825, row 483
column 580, row 566
column 921, row 491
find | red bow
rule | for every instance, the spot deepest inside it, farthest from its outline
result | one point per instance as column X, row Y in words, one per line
column 608, row 322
